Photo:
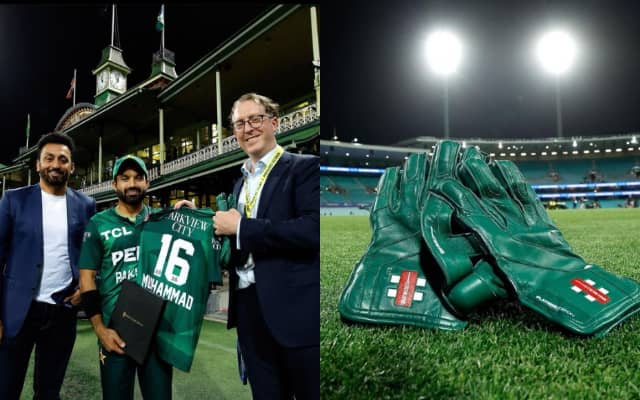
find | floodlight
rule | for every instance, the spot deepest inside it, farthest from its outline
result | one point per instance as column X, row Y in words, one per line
column 443, row 52
column 556, row 51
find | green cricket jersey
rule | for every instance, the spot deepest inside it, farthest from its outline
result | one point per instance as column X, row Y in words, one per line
column 178, row 258
column 111, row 247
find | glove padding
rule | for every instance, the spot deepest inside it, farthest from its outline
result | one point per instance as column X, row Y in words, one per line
column 388, row 285
column 527, row 251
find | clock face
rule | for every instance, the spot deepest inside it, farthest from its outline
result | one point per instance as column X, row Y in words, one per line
column 102, row 79
column 117, row 80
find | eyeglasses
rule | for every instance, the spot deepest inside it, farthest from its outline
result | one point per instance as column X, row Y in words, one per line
column 253, row 121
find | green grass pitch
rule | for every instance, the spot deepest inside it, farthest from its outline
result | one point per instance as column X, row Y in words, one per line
column 214, row 373
column 507, row 352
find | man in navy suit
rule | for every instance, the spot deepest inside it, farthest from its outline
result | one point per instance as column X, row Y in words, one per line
column 275, row 272
column 41, row 230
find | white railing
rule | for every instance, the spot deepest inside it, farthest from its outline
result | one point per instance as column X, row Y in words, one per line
column 297, row 118
column 97, row 188
column 287, row 122
column 205, row 153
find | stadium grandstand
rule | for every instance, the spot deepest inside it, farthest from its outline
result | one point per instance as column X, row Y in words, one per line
column 577, row 172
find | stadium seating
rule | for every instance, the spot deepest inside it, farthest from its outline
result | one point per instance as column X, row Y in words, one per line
column 338, row 189
column 579, row 171
column 358, row 190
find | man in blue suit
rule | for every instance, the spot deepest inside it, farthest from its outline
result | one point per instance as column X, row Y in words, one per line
column 41, row 230
column 275, row 272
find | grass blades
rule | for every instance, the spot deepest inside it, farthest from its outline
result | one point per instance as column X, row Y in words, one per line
column 507, row 352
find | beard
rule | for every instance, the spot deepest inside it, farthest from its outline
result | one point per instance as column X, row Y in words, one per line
column 132, row 197
column 59, row 179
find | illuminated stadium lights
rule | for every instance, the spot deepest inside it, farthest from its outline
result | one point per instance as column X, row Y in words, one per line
column 355, row 140
column 502, row 154
column 607, row 151
column 573, row 152
column 596, row 151
column 523, row 154
column 630, row 149
column 586, row 152
column 512, row 154
column 554, row 153
column 634, row 139
column 444, row 53
column 492, row 154
column 575, row 143
column 564, row 153
column 346, row 154
column 387, row 156
column 556, row 51
column 464, row 144
column 618, row 150
column 500, row 145
column 533, row 154
column 544, row 153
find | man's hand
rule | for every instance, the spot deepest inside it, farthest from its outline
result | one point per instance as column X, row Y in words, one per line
column 226, row 222
column 185, row 203
column 110, row 340
column 74, row 299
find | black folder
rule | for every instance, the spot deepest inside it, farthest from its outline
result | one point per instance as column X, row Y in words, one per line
column 135, row 318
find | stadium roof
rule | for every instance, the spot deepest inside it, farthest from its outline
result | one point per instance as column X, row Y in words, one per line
column 335, row 152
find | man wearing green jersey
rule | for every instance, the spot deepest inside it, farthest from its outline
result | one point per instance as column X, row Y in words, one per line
column 111, row 247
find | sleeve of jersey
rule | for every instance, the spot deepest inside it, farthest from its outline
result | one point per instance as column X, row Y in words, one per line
column 212, row 248
column 91, row 250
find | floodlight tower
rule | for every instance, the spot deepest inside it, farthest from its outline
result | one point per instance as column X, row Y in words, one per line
column 444, row 53
column 556, row 51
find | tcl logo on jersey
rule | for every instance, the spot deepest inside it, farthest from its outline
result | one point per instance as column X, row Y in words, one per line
column 116, row 233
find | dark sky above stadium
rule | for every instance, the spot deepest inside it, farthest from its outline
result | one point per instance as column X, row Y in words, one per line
column 376, row 86
column 40, row 45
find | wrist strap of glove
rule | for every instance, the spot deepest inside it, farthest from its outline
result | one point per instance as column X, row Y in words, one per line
column 91, row 303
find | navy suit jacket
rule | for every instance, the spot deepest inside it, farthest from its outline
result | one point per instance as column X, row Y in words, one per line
column 284, row 239
column 22, row 248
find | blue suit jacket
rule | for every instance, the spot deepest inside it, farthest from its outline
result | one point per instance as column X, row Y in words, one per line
column 21, row 249
column 285, row 242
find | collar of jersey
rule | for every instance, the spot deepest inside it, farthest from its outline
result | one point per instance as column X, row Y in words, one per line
column 139, row 218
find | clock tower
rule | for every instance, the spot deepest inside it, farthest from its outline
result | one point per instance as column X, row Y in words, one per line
column 111, row 75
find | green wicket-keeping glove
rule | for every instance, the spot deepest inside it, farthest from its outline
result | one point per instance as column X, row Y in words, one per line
column 529, row 254
column 388, row 285
column 458, row 254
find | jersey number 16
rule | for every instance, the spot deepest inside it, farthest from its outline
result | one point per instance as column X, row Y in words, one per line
column 177, row 268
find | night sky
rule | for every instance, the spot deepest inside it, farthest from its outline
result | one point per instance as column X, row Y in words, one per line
column 376, row 86
column 40, row 45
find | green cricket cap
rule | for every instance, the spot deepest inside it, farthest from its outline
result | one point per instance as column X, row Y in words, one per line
column 127, row 161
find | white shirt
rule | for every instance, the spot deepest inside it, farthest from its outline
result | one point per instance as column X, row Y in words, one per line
column 56, row 268
column 245, row 273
